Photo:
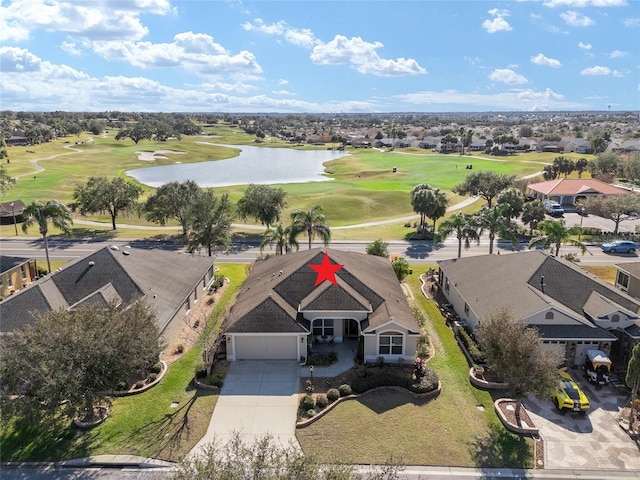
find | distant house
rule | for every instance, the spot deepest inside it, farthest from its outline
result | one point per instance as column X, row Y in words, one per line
column 282, row 307
column 577, row 145
column 17, row 138
column 172, row 283
column 15, row 274
column 567, row 191
column 11, row 211
column 549, row 147
column 429, row 143
column 572, row 310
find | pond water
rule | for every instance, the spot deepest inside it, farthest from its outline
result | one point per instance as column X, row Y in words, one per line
column 258, row 165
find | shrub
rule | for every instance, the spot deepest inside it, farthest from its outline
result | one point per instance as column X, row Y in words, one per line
column 323, row 359
column 122, row 386
column 344, row 390
column 179, row 348
column 215, row 379
column 477, row 355
column 139, row 384
column 426, row 383
column 321, row 402
column 311, row 413
column 157, row 368
column 218, row 281
column 153, row 377
column 307, row 403
column 200, row 370
column 333, row 394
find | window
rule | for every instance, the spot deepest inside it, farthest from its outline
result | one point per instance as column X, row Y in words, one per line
column 447, row 284
column 615, row 317
column 466, row 308
column 548, row 315
column 323, row 326
column 187, row 304
column 622, row 280
column 23, row 269
column 391, row 343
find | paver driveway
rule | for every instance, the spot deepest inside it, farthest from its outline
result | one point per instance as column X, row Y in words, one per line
column 591, row 441
column 259, row 397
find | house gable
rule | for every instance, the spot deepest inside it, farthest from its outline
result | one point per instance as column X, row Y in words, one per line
column 268, row 317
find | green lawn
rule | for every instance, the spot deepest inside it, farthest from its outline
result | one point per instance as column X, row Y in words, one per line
column 144, row 424
column 364, row 187
column 458, row 428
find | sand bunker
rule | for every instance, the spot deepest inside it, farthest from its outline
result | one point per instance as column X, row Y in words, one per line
column 151, row 156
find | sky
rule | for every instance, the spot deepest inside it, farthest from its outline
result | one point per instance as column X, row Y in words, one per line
column 318, row 56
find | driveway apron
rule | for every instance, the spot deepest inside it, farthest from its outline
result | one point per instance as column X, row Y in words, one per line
column 591, row 441
column 259, row 397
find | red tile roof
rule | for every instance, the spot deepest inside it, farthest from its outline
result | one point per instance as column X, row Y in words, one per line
column 576, row 186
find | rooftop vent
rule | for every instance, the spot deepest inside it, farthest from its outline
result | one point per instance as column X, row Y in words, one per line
column 91, row 263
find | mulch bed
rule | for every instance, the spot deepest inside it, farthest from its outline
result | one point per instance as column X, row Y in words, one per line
column 510, row 415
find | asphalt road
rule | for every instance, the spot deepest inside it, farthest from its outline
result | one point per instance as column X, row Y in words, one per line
column 416, row 252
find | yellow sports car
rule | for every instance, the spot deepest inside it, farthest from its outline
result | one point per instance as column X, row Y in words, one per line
column 568, row 395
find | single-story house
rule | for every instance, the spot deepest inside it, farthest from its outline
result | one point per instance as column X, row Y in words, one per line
column 572, row 310
column 286, row 302
column 172, row 283
column 568, row 191
column 12, row 212
column 15, row 274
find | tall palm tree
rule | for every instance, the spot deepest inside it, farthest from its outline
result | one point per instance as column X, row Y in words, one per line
column 312, row 222
column 556, row 233
column 465, row 228
column 43, row 213
column 280, row 236
column 439, row 204
column 495, row 221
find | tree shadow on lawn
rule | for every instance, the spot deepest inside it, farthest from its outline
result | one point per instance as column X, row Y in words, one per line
column 501, row 449
column 383, row 400
column 168, row 436
column 45, row 439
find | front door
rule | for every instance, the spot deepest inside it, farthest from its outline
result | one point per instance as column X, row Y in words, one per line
column 351, row 328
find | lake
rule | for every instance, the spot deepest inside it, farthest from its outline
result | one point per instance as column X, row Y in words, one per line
column 258, row 165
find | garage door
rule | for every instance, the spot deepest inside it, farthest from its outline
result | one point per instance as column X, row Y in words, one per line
column 266, row 348
column 581, row 351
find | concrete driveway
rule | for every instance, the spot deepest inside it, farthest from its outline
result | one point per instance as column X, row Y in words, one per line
column 259, row 397
column 591, row 441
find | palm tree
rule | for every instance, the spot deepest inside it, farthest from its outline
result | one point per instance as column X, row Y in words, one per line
column 312, row 222
column 280, row 236
column 555, row 232
column 6, row 180
column 429, row 202
column 465, row 228
column 495, row 221
column 51, row 211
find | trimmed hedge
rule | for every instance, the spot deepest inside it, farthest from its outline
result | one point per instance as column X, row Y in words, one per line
column 321, row 402
column 472, row 347
column 394, row 376
column 333, row 394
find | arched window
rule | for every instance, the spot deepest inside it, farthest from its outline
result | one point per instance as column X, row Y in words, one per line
column 390, row 343
column 615, row 317
column 548, row 315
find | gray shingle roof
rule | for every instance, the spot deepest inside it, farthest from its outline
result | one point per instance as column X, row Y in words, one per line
column 365, row 280
column 7, row 263
column 565, row 332
column 164, row 278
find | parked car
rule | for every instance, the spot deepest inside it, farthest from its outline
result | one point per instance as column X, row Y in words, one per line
column 553, row 208
column 567, row 394
column 619, row 246
column 597, row 367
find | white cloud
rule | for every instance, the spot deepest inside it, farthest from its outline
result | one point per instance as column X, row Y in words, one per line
column 363, row 56
column 301, row 37
column 282, row 81
column 618, row 54
column 631, row 22
column 190, row 51
column 584, row 46
column 70, row 48
column 515, row 100
column 105, row 20
column 599, row 70
column 283, row 92
column 540, row 59
column 497, row 23
column 576, row 19
column 508, row 76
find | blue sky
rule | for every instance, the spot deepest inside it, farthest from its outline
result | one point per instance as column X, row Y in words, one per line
column 319, row 56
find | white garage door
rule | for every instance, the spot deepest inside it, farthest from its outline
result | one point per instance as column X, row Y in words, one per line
column 266, row 348
column 581, row 351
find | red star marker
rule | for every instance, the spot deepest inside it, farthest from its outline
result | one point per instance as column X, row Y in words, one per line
column 326, row 270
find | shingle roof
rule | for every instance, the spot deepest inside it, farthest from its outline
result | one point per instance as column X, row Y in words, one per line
column 365, row 283
column 564, row 332
column 7, row 263
column 165, row 278
column 529, row 282
column 575, row 186
column 632, row 268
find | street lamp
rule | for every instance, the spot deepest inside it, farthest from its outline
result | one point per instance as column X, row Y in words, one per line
column 311, row 372
column 13, row 214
